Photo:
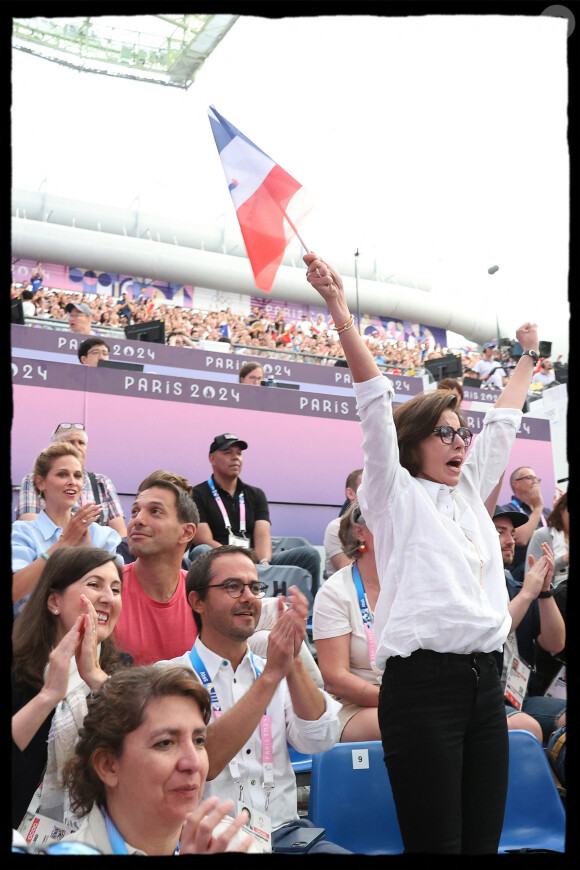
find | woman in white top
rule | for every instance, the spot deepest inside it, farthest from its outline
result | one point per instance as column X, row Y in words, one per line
column 140, row 767
column 343, row 631
column 443, row 607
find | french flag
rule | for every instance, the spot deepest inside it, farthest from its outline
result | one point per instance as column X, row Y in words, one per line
column 262, row 193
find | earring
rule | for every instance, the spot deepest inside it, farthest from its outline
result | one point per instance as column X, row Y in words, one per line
column 362, row 547
column 56, row 612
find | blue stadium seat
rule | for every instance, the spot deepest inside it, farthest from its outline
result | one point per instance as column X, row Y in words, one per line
column 300, row 763
column 355, row 804
column 350, row 796
column 535, row 817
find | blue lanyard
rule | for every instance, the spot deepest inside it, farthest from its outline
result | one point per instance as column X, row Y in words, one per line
column 203, row 674
column 118, row 844
column 517, row 506
column 364, row 611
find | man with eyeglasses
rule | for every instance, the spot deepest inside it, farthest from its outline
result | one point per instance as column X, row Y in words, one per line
column 259, row 705
column 156, row 621
column 527, row 499
column 91, row 350
column 97, row 487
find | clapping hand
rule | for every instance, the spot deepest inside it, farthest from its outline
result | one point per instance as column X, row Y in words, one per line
column 197, row 834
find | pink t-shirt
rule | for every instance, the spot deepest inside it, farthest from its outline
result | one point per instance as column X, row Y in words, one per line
column 152, row 630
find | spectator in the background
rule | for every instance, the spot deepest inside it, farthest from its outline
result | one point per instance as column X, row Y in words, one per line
column 28, row 306
column 91, row 350
column 80, row 318
column 486, row 364
column 37, row 277
column 454, row 385
column 178, row 339
column 527, row 498
column 336, row 558
column 545, row 375
column 251, row 373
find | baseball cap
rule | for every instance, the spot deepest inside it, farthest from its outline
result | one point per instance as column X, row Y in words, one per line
column 80, row 306
column 490, row 344
column 517, row 518
column 222, row 442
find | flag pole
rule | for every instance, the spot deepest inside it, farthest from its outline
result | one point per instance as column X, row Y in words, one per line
column 300, row 239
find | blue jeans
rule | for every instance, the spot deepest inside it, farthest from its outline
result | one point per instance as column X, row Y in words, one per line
column 445, row 743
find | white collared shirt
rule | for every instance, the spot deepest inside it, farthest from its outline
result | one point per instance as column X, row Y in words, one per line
column 304, row 735
column 437, row 551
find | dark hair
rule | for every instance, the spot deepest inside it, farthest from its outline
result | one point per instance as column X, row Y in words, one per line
column 353, row 478
column 248, row 368
column 88, row 343
column 185, row 506
column 201, row 571
column 46, row 457
column 555, row 517
column 451, row 384
column 155, row 476
column 115, row 711
column 415, row 420
column 35, row 629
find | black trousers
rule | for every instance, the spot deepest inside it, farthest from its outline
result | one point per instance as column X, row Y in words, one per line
column 445, row 742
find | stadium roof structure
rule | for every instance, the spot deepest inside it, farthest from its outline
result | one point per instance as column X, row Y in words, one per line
column 161, row 49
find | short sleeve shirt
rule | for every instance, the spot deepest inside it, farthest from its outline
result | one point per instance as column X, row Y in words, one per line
column 256, row 506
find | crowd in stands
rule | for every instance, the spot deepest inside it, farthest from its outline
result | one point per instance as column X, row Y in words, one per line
column 119, row 622
column 300, row 339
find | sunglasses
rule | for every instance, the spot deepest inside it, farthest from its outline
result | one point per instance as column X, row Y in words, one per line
column 70, row 426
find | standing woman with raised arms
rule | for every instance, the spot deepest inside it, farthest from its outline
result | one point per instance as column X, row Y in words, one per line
column 443, row 607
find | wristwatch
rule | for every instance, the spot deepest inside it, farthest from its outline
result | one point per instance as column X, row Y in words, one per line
column 533, row 355
column 549, row 593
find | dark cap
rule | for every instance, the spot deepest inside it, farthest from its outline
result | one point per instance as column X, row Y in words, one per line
column 80, row 306
column 222, row 442
column 517, row 518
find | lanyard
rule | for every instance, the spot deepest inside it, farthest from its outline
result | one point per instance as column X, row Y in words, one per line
column 265, row 727
column 522, row 511
column 364, row 611
column 224, row 513
column 118, row 845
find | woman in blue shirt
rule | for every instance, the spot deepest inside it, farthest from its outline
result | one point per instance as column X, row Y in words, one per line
column 58, row 477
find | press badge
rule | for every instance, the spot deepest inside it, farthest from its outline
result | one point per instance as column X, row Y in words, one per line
column 259, row 825
column 517, row 676
column 235, row 541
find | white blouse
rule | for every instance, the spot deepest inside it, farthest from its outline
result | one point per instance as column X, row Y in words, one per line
column 437, row 550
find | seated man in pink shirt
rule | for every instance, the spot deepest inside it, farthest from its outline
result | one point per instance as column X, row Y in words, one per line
column 156, row 621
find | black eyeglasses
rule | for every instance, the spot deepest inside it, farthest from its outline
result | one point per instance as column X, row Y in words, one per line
column 235, row 588
column 448, row 433
column 530, row 478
